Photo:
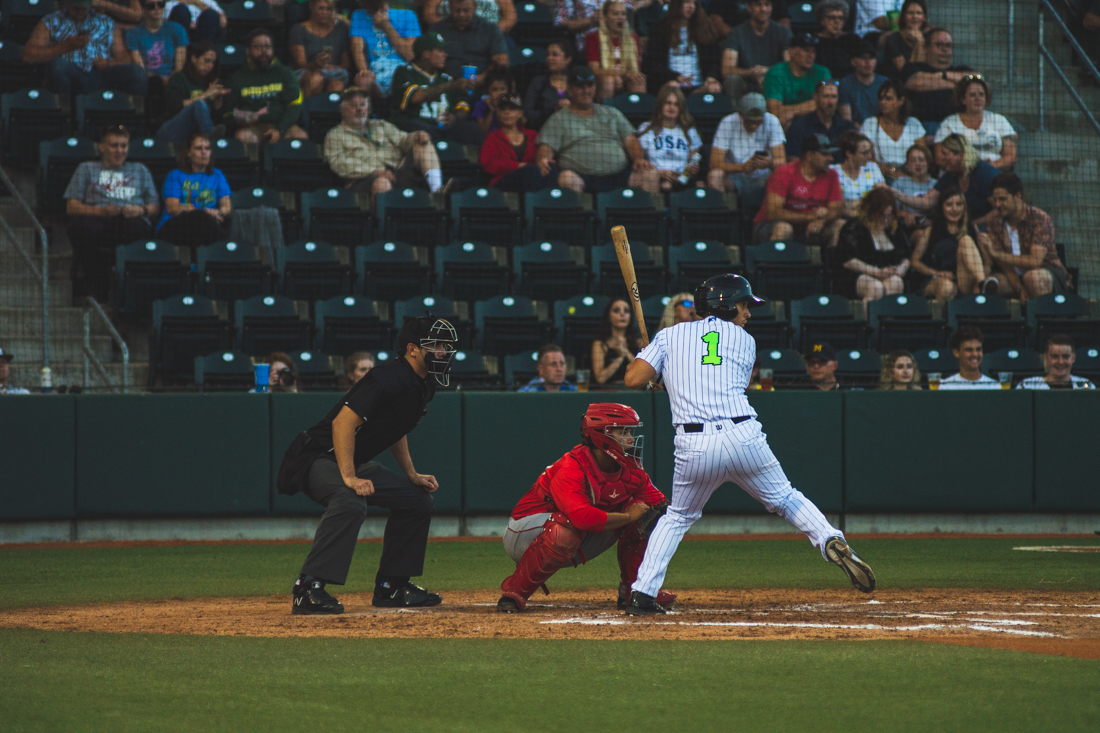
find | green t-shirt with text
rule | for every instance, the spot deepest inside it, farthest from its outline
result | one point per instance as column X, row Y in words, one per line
column 781, row 84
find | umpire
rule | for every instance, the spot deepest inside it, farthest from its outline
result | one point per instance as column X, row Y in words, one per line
column 332, row 463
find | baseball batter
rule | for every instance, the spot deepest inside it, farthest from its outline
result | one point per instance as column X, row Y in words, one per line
column 593, row 497
column 706, row 366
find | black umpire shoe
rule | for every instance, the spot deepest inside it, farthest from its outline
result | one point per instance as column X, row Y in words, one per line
column 643, row 605
column 409, row 595
column 311, row 598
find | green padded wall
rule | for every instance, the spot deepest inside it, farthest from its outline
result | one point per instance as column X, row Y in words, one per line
column 172, row 454
column 38, row 457
column 435, row 446
column 511, row 438
column 1067, row 459
column 938, row 452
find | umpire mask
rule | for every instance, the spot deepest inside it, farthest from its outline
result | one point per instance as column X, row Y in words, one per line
column 438, row 338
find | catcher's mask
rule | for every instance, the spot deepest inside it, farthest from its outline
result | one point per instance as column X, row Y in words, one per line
column 438, row 338
column 610, row 427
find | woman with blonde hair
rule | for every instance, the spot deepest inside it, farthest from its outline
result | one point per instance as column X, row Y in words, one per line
column 990, row 134
column 680, row 309
column 614, row 53
column 873, row 250
column 670, row 140
column 899, row 371
column 947, row 254
column 963, row 169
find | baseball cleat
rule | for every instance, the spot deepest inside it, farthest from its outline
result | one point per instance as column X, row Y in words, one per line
column 642, row 605
column 507, row 604
column 409, row 595
column 838, row 552
column 311, row 599
column 664, row 598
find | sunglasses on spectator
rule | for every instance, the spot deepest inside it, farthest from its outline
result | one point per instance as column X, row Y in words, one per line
column 973, row 77
column 828, row 83
column 687, row 303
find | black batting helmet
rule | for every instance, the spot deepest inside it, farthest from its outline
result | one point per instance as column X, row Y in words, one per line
column 721, row 292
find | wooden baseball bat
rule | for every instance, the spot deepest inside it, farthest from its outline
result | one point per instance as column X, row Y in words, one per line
column 626, row 264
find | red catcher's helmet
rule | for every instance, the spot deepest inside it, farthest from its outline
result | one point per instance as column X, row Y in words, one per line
column 603, row 415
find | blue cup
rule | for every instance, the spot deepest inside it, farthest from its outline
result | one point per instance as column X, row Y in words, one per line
column 469, row 72
column 263, row 374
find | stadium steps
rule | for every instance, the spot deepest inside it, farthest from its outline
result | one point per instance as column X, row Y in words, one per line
column 72, row 373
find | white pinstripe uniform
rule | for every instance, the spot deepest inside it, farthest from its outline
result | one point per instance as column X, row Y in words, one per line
column 706, row 366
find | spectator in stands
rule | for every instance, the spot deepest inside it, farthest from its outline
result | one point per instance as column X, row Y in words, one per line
column 858, row 174
column 823, row 120
column 594, row 146
column 989, row 133
column 670, row 140
column 424, row 97
column 381, row 36
column 899, row 371
column 893, row 130
column 508, row 153
column 471, row 41
column 752, row 48
column 373, row 156
column 960, row 168
column 109, row 202
column 5, row 374
column 547, row 93
column 501, row 12
column 680, row 309
column 789, row 86
column 914, row 180
column 196, row 198
column 356, row 367
column 1020, row 244
column 931, row 83
column 264, row 98
column 319, row 50
column 820, row 358
column 614, row 53
column 193, row 97
column 946, row 253
column 1091, row 19
column 204, row 20
column 966, row 345
column 859, row 90
column 907, row 42
column 282, row 376
column 617, row 341
column 497, row 84
column 1059, row 356
column 683, row 47
column 747, row 147
column 577, row 17
column 873, row 250
column 126, row 13
column 803, row 198
column 728, row 14
column 158, row 46
column 551, row 368
column 871, row 20
column 83, row 51
column 835, row 48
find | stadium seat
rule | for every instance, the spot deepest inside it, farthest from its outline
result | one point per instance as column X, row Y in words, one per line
column 858, row 368
column 803, row 17
column 1087, row 364
column 267, row 323
column 231, row 56
column 320, row 113
column 708, row 110
column 57, row 162
column 337, row 215
column 148, row 271
column 690, row 263
column 510, row 324
column 471, row 370
column 184, row 326
column 703, row 213
column 534, row 24
column 905, row 322
column 19, row 17
column 31, row 117
column 349, row 324
column 295, row 165
column 520, row 369
column 525, row 63
column 636, row 210
column 935, row 361
column 998, row 319
column 786, row 364
column 156, row 156
column 14, row 74
column 784, row 270
column 484, row 214
column 1023, row 363
column 239, row 163
column 557, row 213
column 831, row 318
column 408, row 215
column 316, row 371
column 243, row 16
column 549, row 270
column 312, row 271
column 471, row 271
column 577, row 321
column 1076, row 317
column 251, row 198
column 458, row 314
column 638, row 108
column 233, row 271
column 653, row 310
column 97, row 110
column 648, row 266
column 459, row 162
column 769, row 326
column 224, row 371
column 392, row 271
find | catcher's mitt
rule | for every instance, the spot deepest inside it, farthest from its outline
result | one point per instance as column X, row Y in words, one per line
column 649, row 519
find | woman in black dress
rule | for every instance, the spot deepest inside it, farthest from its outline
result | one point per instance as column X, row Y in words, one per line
column 873, row 250
column 616, row 343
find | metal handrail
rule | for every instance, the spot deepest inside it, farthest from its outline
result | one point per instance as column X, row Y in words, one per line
column 43, row 275
column 90, row 359
column 1044, row 53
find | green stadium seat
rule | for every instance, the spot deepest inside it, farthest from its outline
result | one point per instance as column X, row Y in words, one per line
column 549, row 270
column 999, row 319
column 784, row 270
column 409, row 215
column 471, row 271
column 31, row 117
column 184, row 327
column 1070, row 314
column 266, row 323
column 690, row 263
column 312, row 270
column 485, row 215
column 905, row 321
column 392, row 271
column 348, row 324
column 296, row 166
column 337, row 215
column 559, row 214
column 858, row 368
column 831, row 318
column 148, row 271
column 577, row 321
column 224, row 371
column 510, row 324
column 231, row 271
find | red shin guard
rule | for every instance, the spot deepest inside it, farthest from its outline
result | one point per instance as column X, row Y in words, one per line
column 631, row 551
column 552, row 550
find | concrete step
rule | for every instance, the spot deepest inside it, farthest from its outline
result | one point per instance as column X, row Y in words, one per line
column 1059, row 145
column 62, row 348
column 60, row 296
column 71, row 373
column 64, row 322
column 1037, row 170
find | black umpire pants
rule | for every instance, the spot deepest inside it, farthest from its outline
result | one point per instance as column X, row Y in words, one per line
column 406, row 536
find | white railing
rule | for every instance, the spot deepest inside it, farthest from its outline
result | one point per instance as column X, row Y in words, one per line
column 91, row 360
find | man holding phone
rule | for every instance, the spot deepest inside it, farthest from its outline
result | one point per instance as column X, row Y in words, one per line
column 748, row 146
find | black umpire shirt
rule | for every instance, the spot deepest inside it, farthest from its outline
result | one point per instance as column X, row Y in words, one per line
column 391, row 398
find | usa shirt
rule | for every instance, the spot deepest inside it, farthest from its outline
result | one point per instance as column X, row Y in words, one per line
column 668, row 148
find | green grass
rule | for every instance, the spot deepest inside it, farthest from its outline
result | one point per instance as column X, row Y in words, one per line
column 38, row 577
column 78, row 682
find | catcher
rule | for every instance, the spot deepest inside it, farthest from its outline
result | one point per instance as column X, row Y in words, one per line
column 592, row 497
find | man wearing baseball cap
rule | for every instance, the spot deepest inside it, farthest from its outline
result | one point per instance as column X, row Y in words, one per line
column 748, row 146
column 820, row 358
column 424, row 97
column 789, row 86
column 823, row 120
column 803, row 200
column 859, row 90
column 5, row 372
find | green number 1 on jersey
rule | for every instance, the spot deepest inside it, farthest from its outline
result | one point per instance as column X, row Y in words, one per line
column 711, row 357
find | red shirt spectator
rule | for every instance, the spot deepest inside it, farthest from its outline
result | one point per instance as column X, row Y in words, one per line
column 499, row 157
column 798, row 193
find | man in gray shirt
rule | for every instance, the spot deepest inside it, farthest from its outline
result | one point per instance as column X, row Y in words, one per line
column 471, row 41
column 109, row 202
column 594, row 146
column 751, row 49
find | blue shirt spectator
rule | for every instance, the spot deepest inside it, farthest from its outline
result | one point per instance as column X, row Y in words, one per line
column 538, row 384
column 201, row 190
column 157, row 44
column 381, row 38
column 859, row 90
